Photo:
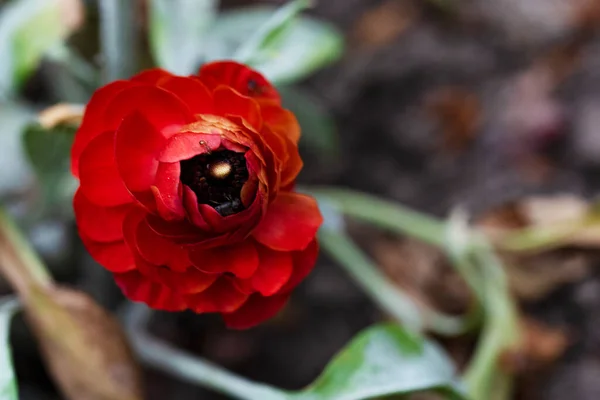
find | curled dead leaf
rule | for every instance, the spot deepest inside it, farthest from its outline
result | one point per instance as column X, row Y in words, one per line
column 541, row 346
column 85, row 348
column 59, row 114
column 544, row 242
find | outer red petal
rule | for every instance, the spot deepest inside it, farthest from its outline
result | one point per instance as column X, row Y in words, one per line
column 151, row 76
column 190, row 281
column 274, row 271
column 191, row 91
column 291, row 222
column 162, row 109
column 137, row 144
column 222, row 296
column 228, row 102
column 281, row 121
column 114, row 256
column 238, row 76
column 254, row 311
column 139, row 288
column 293, row 164
column 304, row 262
column 100, row 180
column 100, row 224
column 90, row 125
column 239, row 259
column 158, row 250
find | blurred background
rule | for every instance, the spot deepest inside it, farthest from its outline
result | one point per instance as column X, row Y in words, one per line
column 490, row 105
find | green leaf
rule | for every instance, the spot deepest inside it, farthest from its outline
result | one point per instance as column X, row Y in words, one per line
column 287, row 49
column 8, row 381
column 28, row 28
column 49, row 151
column 385, row 360
column 178, row 32
column 318, row 128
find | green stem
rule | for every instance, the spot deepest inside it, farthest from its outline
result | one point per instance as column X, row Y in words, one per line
column 195, row 370
column 396, row 303
column 501, row 330
column 118, row 38
column 385, row 214
column 19, row 262
column 473, row 258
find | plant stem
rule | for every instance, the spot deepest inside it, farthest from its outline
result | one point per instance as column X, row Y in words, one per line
column 472, row 256
column 501, row 330
column 19, row 262
column 195, row 370
column 396, row 303
column 385, row 214
column 118, row 35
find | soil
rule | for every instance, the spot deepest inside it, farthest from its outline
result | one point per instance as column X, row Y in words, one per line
column 437, row 103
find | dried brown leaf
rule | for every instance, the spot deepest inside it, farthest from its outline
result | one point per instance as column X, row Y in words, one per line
column 84, row 346
column 541, row 346
column 63, row 113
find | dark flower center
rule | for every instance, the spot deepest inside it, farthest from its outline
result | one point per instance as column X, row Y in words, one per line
column 217, row 179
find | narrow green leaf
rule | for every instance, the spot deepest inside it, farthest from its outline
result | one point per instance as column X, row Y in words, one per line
column 28, row 28
column 178, row 32
column 48, row 152
column 8, row 381
column 270, row 33
column 385, row 360
column 318, row 128
column 283, row 46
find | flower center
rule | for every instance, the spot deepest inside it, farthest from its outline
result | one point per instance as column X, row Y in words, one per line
column 217, row 179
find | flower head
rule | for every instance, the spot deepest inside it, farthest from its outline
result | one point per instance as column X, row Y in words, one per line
column 186, row 192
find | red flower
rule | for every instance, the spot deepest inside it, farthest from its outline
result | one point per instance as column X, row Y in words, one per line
column 186, row 192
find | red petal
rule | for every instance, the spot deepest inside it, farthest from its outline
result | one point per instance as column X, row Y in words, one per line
column 91, row 125
column 166, row 191
column 190, row 281
column 254, row 311
column 100, row 180
column 190, row 202
column 139, row 288
column 137, row 144
column 228, row 102
column 101, row 224
column 240, row 77
column 191, row 91
column 177, row 231
column 304, row 262
column 160, row 251
column 291, row 222
column 274, row 270
column 187, row 145
column 162, row 109
column 281, row 121
column 114, row 256
column 293, row 164
column 151, row 76
column 222, row 296
column 239, row 259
